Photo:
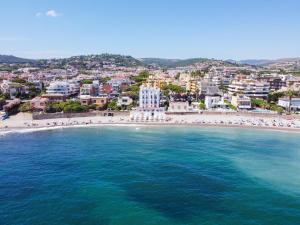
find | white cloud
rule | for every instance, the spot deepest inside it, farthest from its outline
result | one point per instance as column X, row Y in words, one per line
column 49, row 13
column 39, row 14
column 52, row 13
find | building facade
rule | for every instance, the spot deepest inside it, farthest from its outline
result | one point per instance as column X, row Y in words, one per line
column 178, row 107
column 124, row 101
column 250, row 88
column 149, row 109
column 39, row 103
column 63, row 87
column 294, row 104
column 241, row 102
column 149, row 97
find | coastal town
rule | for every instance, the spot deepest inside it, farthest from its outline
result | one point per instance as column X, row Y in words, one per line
column 150, row 112
column 105, row 89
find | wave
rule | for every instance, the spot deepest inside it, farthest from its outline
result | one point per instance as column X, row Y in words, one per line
column 37, row 129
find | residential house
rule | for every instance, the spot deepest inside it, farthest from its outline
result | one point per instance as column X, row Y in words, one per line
column 241, row 102
column 294, row 104
column 99, row 101
column 124, row 101
column 39, row 103
column 178, row 107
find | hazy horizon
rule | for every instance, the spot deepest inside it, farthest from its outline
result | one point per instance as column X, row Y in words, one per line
column 155, row 57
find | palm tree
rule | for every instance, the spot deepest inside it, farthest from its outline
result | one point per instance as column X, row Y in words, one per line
column 290, row 93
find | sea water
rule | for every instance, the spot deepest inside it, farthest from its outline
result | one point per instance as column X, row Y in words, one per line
column 150, row 175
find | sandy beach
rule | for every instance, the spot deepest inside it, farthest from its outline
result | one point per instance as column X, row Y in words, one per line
column 24, row 121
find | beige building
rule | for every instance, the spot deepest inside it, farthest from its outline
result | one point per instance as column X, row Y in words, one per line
column 178, row 107
column 192, row 85
column 241, row 102
column 93, row 100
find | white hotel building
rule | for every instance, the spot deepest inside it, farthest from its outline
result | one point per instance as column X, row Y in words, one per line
column 148, row 110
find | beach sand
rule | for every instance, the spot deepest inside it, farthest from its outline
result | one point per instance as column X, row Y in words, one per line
column 24, row 121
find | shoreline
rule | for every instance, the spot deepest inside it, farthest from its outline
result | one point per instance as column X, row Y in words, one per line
column 144, row 124
column 25, row 123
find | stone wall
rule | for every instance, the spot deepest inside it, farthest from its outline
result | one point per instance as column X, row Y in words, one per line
column 43, row 116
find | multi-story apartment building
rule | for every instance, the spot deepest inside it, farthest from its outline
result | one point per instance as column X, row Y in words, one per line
column 276, row 83
column 250, row 88
column 119, row 84
column 90, row 89
column 59, row 87
column 192, row 85
column 149, row 97
column 221, row 81
column 90, row 94
column 63, row 87
column 74, row 87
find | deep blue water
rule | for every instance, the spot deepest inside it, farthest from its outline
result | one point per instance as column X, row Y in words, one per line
column 129, row 175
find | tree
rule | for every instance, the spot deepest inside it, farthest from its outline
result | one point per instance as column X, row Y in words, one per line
column 113, row 105
column 274, row 96
column 141, row 77
column 259, row 103
column 175, row 88
column 66, row 107
column 86, row 81
column 197, row 73
column 133, row 87
column 4, row 96
column 105, row 79
column 201, row 106
column 25, row 107
column 230, row 105
column 279, row 110
column 290, row 94
column 19, row 80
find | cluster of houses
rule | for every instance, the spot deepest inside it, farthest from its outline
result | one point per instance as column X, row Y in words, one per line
column 217, row 89
column 94, row 93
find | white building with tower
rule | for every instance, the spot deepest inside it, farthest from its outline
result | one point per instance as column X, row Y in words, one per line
column 149, row 109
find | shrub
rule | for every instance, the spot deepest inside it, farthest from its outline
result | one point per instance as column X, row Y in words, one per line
column 25, row 107
column 67, row 107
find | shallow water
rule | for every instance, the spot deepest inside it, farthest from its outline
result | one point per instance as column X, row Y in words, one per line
column 140, row 175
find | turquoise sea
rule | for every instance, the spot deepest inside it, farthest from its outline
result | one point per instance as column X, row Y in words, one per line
column 150, row 175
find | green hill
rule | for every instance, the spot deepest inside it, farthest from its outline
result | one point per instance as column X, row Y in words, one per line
column 14, row 59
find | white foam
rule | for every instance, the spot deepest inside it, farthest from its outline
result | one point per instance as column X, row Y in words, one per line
column 37, row 129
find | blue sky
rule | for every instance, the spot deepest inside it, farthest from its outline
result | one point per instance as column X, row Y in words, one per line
column 223, row 29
